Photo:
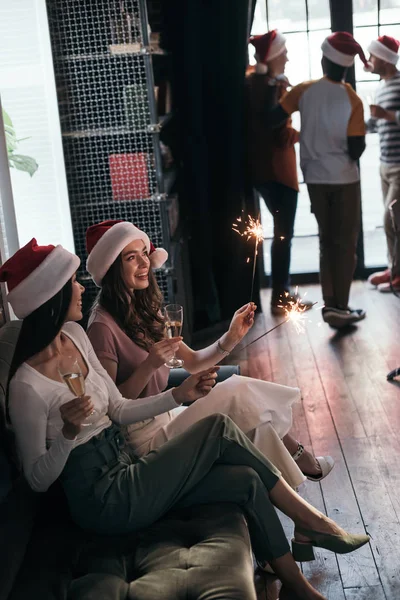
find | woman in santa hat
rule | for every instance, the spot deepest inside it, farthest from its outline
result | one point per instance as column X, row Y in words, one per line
column 271, row 158
column 127, row 331
column 109, row 491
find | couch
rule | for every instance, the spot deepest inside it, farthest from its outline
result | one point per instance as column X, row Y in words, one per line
column 198, row 553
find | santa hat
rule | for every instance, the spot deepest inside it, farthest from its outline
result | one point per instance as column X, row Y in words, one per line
column 106, row 240
column 341, row 48
column 268, row 46
column 34, row 274
column 386, row 48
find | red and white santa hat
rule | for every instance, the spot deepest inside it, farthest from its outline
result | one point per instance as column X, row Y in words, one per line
column 34, row 274
column 268, row 46
column 341, row 48
column 386, row 48
column 106, row 240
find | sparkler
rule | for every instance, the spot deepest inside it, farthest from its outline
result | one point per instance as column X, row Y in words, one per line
column 253, row 229
column 294, row 313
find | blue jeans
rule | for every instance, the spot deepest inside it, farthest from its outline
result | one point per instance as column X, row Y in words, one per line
column 281, row 202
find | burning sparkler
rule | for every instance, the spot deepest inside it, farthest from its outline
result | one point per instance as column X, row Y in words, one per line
column 294, row 312
column 253, row 230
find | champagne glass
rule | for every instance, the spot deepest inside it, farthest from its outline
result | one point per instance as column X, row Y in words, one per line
column 71, row 373
column 173, row 322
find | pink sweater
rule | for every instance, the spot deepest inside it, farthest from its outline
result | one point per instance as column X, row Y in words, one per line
column 109, row 341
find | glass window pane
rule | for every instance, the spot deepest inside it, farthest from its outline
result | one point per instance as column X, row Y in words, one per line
column 365, row 12
column 297, row 69
column 318, row 14
column 366, row 90
column 372, row 208
column 390, row 11
column 287, row 16
column 259, row 26
column 316, row 38
column 392, row 30
column 374, row 237
column 364, row 36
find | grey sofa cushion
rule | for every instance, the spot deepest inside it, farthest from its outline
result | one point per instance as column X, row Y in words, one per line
column 197, row 553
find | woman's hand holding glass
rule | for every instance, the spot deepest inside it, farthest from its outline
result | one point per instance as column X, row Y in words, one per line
column 162, row 352
column 74, row 414
column 71, row 373
column 196, row 386
column 242, row 322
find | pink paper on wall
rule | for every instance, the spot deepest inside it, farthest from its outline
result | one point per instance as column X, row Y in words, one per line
column 129, row 176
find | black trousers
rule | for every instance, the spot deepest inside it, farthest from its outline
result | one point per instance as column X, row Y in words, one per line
column 281, row 202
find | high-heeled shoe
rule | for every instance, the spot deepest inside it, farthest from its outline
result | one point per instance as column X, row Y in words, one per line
column 340, row 544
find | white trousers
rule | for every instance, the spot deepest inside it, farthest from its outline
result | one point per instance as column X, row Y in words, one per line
column 261, row 409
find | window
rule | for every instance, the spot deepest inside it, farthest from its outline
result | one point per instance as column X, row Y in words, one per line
column 305, row 24
column 371, row 19
column 28, row 96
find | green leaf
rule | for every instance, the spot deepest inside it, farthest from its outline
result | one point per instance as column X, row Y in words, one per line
column 6, row 119
column 23, row 163
column 18, row 161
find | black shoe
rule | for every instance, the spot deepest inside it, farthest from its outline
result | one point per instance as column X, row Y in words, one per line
column 338, row 317
column 286, row 301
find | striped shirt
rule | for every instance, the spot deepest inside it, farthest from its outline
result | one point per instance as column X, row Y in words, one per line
column 388, row 97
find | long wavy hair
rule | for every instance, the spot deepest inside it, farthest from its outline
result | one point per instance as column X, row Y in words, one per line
column 137, row 313
column 40, row 328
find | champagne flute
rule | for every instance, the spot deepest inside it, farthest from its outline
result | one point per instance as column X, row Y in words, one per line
column 71, row 373
column 173, row 322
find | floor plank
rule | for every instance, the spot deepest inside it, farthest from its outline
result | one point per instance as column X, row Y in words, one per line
column 350, row 411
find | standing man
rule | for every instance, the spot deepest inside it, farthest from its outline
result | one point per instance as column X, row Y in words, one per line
column 271, row 159
column 385, row 119
column 332, row 140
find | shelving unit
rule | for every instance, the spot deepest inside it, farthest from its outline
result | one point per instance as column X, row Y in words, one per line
column 102, row 54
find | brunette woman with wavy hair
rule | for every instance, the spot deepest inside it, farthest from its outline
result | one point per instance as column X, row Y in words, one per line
column 137, row 313
column 126, row 329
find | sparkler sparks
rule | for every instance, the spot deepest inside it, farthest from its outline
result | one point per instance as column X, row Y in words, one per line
column 294, row 311
column 253, row 230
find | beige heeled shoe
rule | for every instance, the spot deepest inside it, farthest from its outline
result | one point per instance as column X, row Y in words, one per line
column 339, row 544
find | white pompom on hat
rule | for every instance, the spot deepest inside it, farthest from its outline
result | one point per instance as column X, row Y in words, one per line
column 106, row 240
column 386, row 48
column 34, row 274
column 341, row 48
column 267, row 46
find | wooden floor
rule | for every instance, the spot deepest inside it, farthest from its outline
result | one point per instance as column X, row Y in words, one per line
column 351, row 412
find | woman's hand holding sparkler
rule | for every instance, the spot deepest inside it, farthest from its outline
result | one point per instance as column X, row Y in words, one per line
column 242, row 322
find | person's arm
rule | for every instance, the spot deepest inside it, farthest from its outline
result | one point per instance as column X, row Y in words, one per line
column 356, row 127
column 104, row 344
column 125, row 411
column 276, row 117
column 356, row 146
column 377, row 112
column 28, row 414
column 198, row 360
column 289, row 103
